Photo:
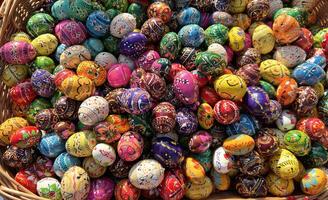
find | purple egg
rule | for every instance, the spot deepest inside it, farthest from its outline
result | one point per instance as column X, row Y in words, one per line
column 200, row 142
column 271, row 113
column 135, row 101
column 43, row 83
column 101, row 189
column 186, row 121
column 133, row 45
column 146, row 59
column 17, row 52
column 70, row 32
column 256, row 100
column 186, row 87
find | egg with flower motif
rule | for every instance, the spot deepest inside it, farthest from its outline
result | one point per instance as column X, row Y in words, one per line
column 104, row 154
column 77, row 87
column 146, row 59
column 92, row 71
column 298, row 142
column 25, row 137
column 186, row 121
column 170, row 46
column 314, row 181
column 312, row 126
column 226, row 112
column 211, row 64
column 130, row 146
column 173, row 185
column 28, row 179
column 205, row 116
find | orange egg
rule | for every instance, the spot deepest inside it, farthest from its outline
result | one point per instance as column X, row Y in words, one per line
column 286, row 29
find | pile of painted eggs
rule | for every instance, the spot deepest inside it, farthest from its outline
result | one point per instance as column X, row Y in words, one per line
column 167, row 99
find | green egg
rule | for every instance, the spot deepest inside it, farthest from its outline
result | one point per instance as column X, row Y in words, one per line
column 268, row 88
column 211, row 64
column 121, row 5
column 317, row 157
column 111, row 45
column 297, row 142
column 79, row 9
column 44, row 62
column 205, row 159
column 139, row 12
column 112, row 13
column 40, row 23
column 217, row 33
column 36, row 106
column 170, row 46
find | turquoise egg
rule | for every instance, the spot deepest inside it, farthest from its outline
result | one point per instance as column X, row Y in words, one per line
column 188, row 15
column 63, row 162
column 95, row 46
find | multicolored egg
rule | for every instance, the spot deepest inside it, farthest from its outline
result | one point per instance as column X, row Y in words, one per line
column 20, row 37
column 66, row 108
column 153, row 29
column 18, row 158
column 130, row 146
column 306, row 101
column 186, row 121
column 246, row 124
column 284, row 164
column 286, row 29
column 163, row 117
column 200, row 142
column 46, row 119
column 17, row 52
column 93, row 169
column 173, row 185
column 314, row 181
column 25, row 137
column 101, row 189
column 28, row 179
column 70, row 32
column 278, row 186
column 287, row 91
column 258, row 9
column 226, row 112
column 286, row 121
column 223, row 162
column 298, row 142
column 221, row 181
column 205, row 116
column 146, row 59
column 250, row 73
column 9, row 127
column 122, row 24
column 257, row 100
column 81, row 144
column 185, row 87
column 98, row 23
column 104, row 154
column 92, row 71
column 239, row 144
column 196, row 191
column 135, row 100
column 77, row 87
column 44, row 167
column 74, row 55
column 75, row 184
column 251, row 186
column 40, row 23
column 230, row 87
column 191, row 35
column 313, row 127
column 63, row 162
column 105, row 60
column 216, row 33
column 263, row 39
column 124, row 190
column 211, row 64
column 266, row 144
column 194, row 171
column 160, row 10
column 251, row 164
column 317, row 157
column 188, row 15
column 51, row 145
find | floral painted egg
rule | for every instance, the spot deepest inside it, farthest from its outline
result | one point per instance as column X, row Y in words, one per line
column 226, row 112
column 205, row 116
column 40, row 23
column 18, row 158
column 191, row 35
column 187, row 57
column 313, row 127
column 92, row 110
column 25, row 137
column 45, row 44
column 290, row 56
column 250, row 73
column 257, row 10
column 298, row 142
column 81, row 144
column 160, row 10
column 17, row 52
column 284, row 164
column 216, row 33
column 10, row 126
column 44, row 167
column 194, row 171
column 163, row 117
column 287, row 91
column 124, row 190
column 286, row 121
column 146, row 174
column 230, row 87
column 153, row 29
column 236, row 39
column 51, row 145
column 105, row 60
column 220, row 181
column 93, row 169
column 104, row 154
column 28, row 179
column 266, row 144
column 185, row 87
column 94, row 45
column 317, row 157
column 43, row 83
column 186, row 121
column 278, row 186
column 239, row 144
column 305, row 101
column 188, row 15
column 104, row 133
column 75, row 184
column 251, row 164
column 122, row 24
column 211, row 64
column 173, row 185
column 77, row 87
column 246, row 124
column 46, row 119
column 197, row 191
column 74, row 55
column 286, row 29
column 70, row 32
column 223, row 162
column 133, row 45
column 135, row 101
column 66, row 108
column 273, row 71
column 200, row 142
column 314, row 181
column 263, row 39
column 146, row 59
column 308, row 74
column 13, row 74
column 49, row 188
column 63, row 162
column 257, row 100
column 170, row 46
column 98, row 23
column 60, row 76
column 251, row 186
column 130, row 146
column 118, row 123
column 101, row 189
column 168, row 152
column 92, row 71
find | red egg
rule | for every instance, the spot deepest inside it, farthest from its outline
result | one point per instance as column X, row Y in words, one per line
column 124, row 190
column 200, row 77
column 175, row 68
column 173, row 185
column 22, row 94
column 312, row 126
column 250, row 73
column 305, row 41
column 28, row 179
column 25, row 137
column 209, row 95
column 324, row 139
column 155, row 85
column 163, row 117
column 226, row 112
column 119, row 75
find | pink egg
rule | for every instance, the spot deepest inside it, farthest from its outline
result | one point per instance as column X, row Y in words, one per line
column 130, row 146
column 17, row 52
column 146, row 59
column 119, row 75
column 101, row 189
column 186, row 87
column 70, row 32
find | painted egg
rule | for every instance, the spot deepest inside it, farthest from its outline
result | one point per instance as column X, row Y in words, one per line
column 284, row 164
column 146, row 174
column 28, row 179
column 191, row 35
column 18, row 158
column 275, row 5
column 257, row 10
column 230, row 87
column 146, row 59
column 44, row 167
column 40, row 23
column 305, row 41
column 205, row 158
column 124, row 190
column 105, row 60
column 313, row 127
column 308, row 74
column 101, row 189
column 135, row 101
column 43, row 83
column 194, row 171
column 286, row 121
column 163, row 117
column 266, row 144
column 63, row 162
column 220, row 181
column 93, row 169
column 286, row 29
column 104, row 154
column 226, row 112
column 218, row 49
column 287, row 91
column 211, row 64
column 249, row 56
column 187, row 57
column 223, row 162
column 168, row 152
column 290, row 56
column 25, row 137
column 120, row 168
column 314, row 181
column 236, row 39
column 317, row 157
column 122, row 24
column 153, row 29
column 133, row 45
column 70, row 32
column 45, row 44
column 80, row 144
column 155, row 85
column 172, row 186
column 46, row 119
column 196, row 191
column 92, row 110
column 49, row 188
column 13, row 74
column 216, row 33
column 9, row 127
column 61, row 76
column 298, row 142
column 111, row 98
column 185, row 87
column 242, row 21
column 239, row 144
column 186, row 121
column 141, row 124
column 278, row 186
column 161, row 67
column 201, row 78
column 318, row 59
column 75, row 184
column 104, row 133
column 66, row 108
column 74, row 55
column 273, row 71
column 111, row 44
column 92, row 71
column 251, row 186
column 250, row 73
column 301, row 172
column 271, row 113
column 306, row 101
column 205, row 116
column 77, row 87
column 263, row 39
column 98, row 23
column 221, row 17
column 175, row 69
column 160, row 10
column 17, row 52
column 130, row 146
column 170, row 46
column 51, row 145
column 44, row 62
column 253, row 26
column 60, row 49
column 118, row 123
column 20, row 37
column 200, row 142
column 251, row 164
column 237, row 6
column 257, row 100
column 188, row 15
column 246, row 124
column 95, row 46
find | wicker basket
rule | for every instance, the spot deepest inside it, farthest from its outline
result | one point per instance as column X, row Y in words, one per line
column 13, row 16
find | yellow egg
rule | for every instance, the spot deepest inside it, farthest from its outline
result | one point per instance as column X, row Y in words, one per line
column 205, row 115
column 75, row 184
column 118, row 123
column 81, row 144
column 253, row 26
column 20, row 36
column 301, row 172
column 230, row 87
column 263, row 39
column 237, row 39
column 237, row 6
column 319, row 89
column 273, row 71
column 77, row 87
column 284, row 164
column 12, row 74
column 45, row 44
column 194, row 171
column 8, row 127
column 278, row 186
column 239, row 144
column 314, row 181
column 199, row 191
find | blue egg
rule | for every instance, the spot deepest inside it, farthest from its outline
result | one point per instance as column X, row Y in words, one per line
column 95, row 46
column 246, row 125
column 191, row 35
column 317, row 59
column 60, row 49
column 65, row 161
column 51, row 145
column 98, row 24
column 188, row 15
column 308, row 74
column 58, row 10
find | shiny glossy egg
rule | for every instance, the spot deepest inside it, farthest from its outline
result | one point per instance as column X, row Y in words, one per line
column 77, row 87
column 258, row 9
column 308, row 74
column 239, row 144
column 163, row 117
column 118, row 123
column 135, row 101
column 250, row 73
column 172, row 186
column 25, row 137
column 279, row 186
column 170, row 46
column 230, row 87
column 63, row 162
column 251, row 164
column 49, row 188
column 298, row 142
column 317, row 157
column 66, row 108
column 188, row 15
column 46, row 119
column 74, row 55
column 28, row 179
column 92, row 71
column 196, row 191
column 160, row 10
column 287, row 91
column 153, row 29
column 263, row 39
column 314, row 181
column 40, row 23
column 266, row 144
column 133, row 45
column 249, row 56
column 200, row 142
column 101, row 189
column 242, row 21
column 114, row 106
column 223, row 162
column 211, row 64
column 273, row 71
column 124, row 190
column 130, row 146
column 51, row 145
column 305, row 101
column 216, row 33
column 98, row 24
column 94, row 45
column 61, row 76
column 70, row 32
column 191, row 35
column 313, row 127
column 194, row 171
column 246, row 124
column 187, row 57
column 185, row 87
column 286, row 29
column 81, row 144
column 237, row 38
column 146, row 59
column 90, row 106
column 17, row 52
column 284, row 164
column 205, row 116
column 226, row 112
column 257, row 100
column 9, row 127
column 221, row 17
column 305, row 41
column 75, row 184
